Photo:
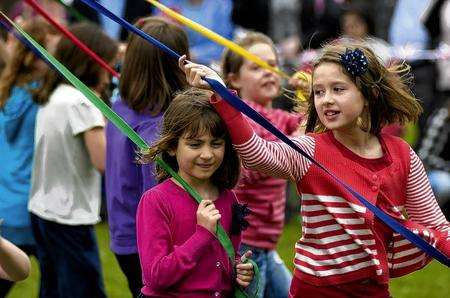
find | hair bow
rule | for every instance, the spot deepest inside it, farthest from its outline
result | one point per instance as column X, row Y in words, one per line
column 355, row 62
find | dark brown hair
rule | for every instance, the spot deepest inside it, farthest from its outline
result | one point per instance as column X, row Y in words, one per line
column 76, row 61
column 385, row 89
column 232, row 62
column 150, row 77
column 190, row 114
column 19, row 67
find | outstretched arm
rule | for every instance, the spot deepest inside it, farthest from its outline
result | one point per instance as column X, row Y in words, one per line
column 275, row 159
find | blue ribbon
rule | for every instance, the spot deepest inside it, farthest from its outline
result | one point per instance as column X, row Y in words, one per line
column 247, row 110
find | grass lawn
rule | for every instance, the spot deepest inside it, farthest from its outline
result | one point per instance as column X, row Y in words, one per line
column 431, row 282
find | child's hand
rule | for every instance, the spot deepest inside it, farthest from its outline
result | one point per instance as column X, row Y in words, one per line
column 244, row 271
column 208, row 215
column 196, row 72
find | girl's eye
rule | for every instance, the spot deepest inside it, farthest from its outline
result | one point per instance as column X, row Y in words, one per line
column 217, row 144
column 194, row 145
column 318, row 92
column 338, row 89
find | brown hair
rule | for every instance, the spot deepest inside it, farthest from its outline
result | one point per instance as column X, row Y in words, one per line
column 149, row 77
column 191, row 114
column 385, row 89
column 232, row 62
column 19, row 67
column 76, row 61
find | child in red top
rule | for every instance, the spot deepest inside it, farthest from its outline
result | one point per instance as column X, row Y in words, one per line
column 344, row 250
column 178, row 249
column 264, row 194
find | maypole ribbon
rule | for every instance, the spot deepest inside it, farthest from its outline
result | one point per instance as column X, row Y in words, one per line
column 121, row 125
column 217, row 38
column 72, row 37
column 232, row 46
column 247, row 110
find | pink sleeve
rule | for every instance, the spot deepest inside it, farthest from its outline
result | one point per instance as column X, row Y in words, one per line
column 275, row 159
column 422, row 207
column 164, row 264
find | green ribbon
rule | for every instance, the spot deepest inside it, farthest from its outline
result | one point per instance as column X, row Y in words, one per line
column 131, row 134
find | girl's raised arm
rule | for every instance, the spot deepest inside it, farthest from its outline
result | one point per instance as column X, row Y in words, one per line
column 275, row 159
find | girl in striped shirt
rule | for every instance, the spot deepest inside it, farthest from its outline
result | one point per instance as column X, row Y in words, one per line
column 344, row 250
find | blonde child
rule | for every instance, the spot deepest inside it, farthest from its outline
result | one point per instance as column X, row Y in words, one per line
column 265, row 195
column 344, row 250
column 178, row 248
column 148, row 81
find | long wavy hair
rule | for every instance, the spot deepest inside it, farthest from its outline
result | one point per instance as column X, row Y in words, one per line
column 20, row 67
column 386, row 90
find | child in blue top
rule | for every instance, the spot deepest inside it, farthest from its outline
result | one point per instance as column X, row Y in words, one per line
column 17, row 120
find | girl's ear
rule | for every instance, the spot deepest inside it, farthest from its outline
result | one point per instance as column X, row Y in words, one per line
column 234, row 80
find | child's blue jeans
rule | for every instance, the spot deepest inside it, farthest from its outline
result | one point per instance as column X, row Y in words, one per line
column 275, row 279
column 68, row 260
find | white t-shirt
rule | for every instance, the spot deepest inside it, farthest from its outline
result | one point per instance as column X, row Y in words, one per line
column 65, row 185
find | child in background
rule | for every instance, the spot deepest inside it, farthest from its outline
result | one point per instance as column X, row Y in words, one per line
column 178, row 248
column 265, row 195
column 69, row 154
column 18, row 109
column 344, row 250
column 148, row 81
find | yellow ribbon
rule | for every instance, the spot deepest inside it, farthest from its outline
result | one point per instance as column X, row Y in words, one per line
column 228, row 44
column 217, row 38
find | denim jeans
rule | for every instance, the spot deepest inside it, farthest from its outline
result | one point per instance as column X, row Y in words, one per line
column 274, row 279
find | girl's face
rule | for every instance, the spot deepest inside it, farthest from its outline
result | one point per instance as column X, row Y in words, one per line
column 337, row 100
column 255, row 83
column 199, row 157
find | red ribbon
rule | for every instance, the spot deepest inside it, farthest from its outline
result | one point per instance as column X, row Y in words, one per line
column 72, row 37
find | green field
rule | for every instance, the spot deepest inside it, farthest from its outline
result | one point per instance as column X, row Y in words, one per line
column 431, row 282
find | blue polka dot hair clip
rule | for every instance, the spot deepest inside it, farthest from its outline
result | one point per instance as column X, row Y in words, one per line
column 355, row 62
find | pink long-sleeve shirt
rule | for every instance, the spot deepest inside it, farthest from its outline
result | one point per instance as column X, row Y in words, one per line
column 180, row 258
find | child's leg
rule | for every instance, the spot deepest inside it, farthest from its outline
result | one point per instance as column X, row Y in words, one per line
column 131, row 268
column 75, row 255
column 278, row 276
column 48, row 281
column 259, row 256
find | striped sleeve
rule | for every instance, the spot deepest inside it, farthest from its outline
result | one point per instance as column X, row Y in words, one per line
column 275, row 158
column 421, row 205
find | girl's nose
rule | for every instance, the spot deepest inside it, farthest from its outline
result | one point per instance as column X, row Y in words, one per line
column 206, row 153
column 328, row 99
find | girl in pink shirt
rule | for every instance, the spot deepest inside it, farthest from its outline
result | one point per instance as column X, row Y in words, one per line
column 344, row 250
column 179, row 252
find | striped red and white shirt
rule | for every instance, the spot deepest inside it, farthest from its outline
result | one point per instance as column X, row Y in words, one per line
column 341, row 240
